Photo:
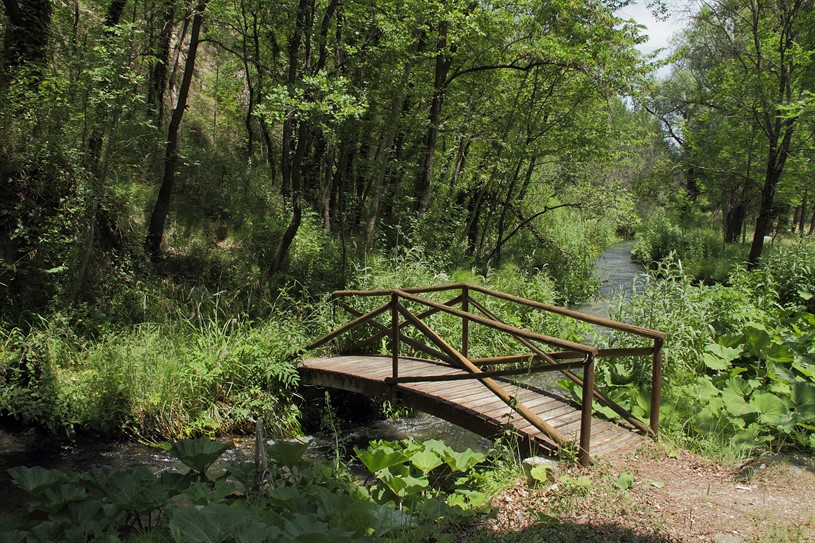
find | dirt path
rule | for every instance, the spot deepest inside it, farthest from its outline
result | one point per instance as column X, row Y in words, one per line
column 675, row 497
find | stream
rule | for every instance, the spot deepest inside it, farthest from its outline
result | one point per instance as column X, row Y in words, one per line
column 615, row 270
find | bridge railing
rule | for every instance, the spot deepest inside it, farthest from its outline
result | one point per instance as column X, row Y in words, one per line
column 570, row 355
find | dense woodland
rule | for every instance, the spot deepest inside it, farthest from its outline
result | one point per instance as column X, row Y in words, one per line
column 180, row 183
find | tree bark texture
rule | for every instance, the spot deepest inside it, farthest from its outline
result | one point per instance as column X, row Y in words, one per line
column 155, row 231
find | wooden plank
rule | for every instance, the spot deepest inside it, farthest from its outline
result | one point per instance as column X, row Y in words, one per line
column 475, row 400
column 440, row 389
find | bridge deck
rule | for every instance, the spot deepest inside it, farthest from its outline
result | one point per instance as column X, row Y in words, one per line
column 467, row 403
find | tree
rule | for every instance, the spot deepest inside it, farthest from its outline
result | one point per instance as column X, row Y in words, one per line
column 750, row 69
column 155, row 230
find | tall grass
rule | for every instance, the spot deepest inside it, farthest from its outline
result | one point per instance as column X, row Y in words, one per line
column 154, row 381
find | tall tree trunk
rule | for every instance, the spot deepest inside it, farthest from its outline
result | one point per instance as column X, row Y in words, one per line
column 155, row 230
column 776, row 159
column 297, row 200
column 94, row 159
column 421, row 191
column 158, row 70
column 734, row 219
column 384, row 154
column 500, row 240
column 812, row 224
column 292, row 163
column 25, row 42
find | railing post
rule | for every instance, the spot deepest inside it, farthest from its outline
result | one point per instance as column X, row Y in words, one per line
column 586, row 409
column 656, row 385
column 465, row 322
column 395, row 334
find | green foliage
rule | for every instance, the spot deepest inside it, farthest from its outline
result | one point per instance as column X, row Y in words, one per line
column 760, row 387
column 625, row 481
column 154, row 381
column 700, row 249
column 738, row 365
column 310, row 501
column 421, row 475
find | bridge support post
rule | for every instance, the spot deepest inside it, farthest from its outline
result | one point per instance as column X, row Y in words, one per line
column 656, row 385
column 465, row 322
column 395, row 334
column 586, row 409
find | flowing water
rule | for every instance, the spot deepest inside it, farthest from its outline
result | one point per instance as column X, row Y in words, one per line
column 614, row 269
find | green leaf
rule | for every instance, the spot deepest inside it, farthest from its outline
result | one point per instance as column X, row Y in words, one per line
column 15, row 536
column 756, row 339
column 463, row 461
column 710, row 417
column 305, row 529
column 540, row 473
column 201, row 493
column 718, row 357
column 378, row 458
column 769, row 407
column 734, row 396
column 198, row 454
column 287, row 452
column 54, row 499
column 212, row 523
column 36, row 479
column 625, row 481
column 426, row 461
column 402, row 484
column 803, row 398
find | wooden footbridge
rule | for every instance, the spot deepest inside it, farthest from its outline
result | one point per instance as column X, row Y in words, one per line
column 484, row 394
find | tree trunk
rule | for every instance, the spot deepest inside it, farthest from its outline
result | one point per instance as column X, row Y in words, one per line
column 500, row 240
column 421, row 192
column 734, row 219
column 95, row 163
column 384, row 155
column 25, row 41
column 297, row 200
column 776, row 159
column 158, row 71
column 292, row 163
column 802, row 217
column 155, row 231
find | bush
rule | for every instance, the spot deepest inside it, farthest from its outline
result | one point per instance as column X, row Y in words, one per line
column 700, row 250
column 738, row 360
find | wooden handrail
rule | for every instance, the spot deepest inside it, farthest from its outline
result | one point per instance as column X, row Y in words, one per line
column 348, row 327
column 591, row 319
column 579, row 347
column 624, row 413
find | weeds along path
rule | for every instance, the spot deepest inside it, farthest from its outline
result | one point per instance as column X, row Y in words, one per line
column 676, row 497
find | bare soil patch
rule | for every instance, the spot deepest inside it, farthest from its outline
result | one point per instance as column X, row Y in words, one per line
column 676, row 497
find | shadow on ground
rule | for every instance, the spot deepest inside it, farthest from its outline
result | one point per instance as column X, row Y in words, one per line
column 567, row 532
